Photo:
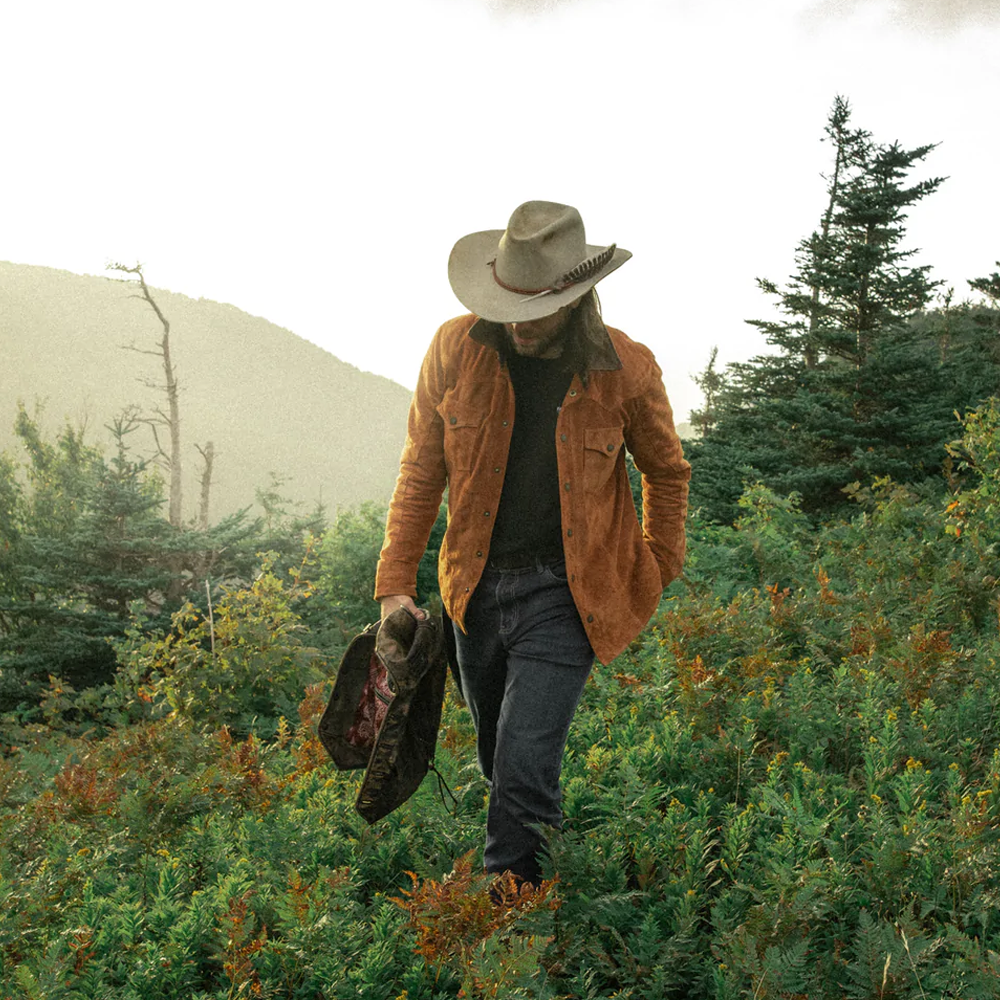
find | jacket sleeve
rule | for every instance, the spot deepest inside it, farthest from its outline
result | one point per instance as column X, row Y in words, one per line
column 420, row 484
column 651, row 438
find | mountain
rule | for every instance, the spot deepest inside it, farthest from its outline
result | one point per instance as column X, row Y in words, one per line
column 268, row 400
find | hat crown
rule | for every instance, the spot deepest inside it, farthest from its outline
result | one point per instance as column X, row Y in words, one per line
column 543, row 241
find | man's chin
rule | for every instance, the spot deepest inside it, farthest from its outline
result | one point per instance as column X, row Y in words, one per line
column 535, row 348
column 528, row 349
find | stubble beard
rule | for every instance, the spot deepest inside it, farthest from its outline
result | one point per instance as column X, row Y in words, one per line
column 540, row 348
column 548, row 346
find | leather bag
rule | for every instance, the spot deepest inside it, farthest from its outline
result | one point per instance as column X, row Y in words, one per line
column 385, row 709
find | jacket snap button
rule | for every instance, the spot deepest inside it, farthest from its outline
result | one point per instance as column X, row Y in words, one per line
column 562, row 437
column 569, row 533
column 479, row 555
column 466, row 589
column 590, row 618
column 611, row 447
column 453, row 420
column 497, row 469
column 486, row 513
column 567, row 485
column 572, row 392
column 505, row 423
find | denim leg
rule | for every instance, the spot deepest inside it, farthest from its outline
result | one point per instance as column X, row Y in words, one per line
column 524, row 660
column 482, row 666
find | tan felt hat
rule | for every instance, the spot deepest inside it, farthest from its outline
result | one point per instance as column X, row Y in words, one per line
column 531, row 269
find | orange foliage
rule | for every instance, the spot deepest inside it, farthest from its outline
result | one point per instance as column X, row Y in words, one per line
column 80, row 944
column 868, row 637
column 300, row 893
column 453, row 916
column 241, row 944
column 242, row 760
column 311, row 707
column 456, row 738
column 82, row 790
column 826, row 595
column 927, row 658
column 141, row 748
column 308, row 750
column 778, row 597
column 694, row 675
column 629, row 681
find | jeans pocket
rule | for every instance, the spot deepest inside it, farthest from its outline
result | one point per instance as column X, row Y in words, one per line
column 557, row 570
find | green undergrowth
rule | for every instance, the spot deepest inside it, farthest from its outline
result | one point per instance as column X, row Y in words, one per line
column 788, row 787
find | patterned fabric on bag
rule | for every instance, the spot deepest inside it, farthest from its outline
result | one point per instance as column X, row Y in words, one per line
column 375, row 698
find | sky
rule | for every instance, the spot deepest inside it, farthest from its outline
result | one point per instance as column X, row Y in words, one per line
column 313, row 163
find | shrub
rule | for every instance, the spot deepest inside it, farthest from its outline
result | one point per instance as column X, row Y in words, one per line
column 243, row 665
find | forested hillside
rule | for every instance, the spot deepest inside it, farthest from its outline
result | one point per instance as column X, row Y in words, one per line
column 269, row 401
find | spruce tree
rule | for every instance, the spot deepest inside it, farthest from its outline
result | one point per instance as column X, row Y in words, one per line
column 990, row 287
column 85, row 539
column 116, row 552
column 847, row 395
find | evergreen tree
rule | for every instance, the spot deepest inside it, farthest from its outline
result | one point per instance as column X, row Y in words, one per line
column 58, row 474
column 851, row 393
column 86, row 539
column 11, row 518
column 990, row 287
column 87, row 542
column 116, row 550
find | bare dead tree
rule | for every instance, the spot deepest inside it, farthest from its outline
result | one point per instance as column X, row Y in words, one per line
column 711, row 382
column 171, row 419
column 208, row 456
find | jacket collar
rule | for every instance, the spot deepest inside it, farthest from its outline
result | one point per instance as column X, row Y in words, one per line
column 599, row 352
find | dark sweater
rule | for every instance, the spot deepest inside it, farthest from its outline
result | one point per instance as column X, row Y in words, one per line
column 528, row 519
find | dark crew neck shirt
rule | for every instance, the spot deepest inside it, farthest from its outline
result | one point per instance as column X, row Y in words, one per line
column 528, row 519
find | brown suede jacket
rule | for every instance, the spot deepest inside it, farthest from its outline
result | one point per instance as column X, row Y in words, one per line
column 458, row 435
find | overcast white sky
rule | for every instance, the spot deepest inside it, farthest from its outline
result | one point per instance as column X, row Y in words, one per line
column 313, row 163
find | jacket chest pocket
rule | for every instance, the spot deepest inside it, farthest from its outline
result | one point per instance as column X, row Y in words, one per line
column 601, row 446
column 462, row 414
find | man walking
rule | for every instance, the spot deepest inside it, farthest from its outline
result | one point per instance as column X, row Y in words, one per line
column 525, row 409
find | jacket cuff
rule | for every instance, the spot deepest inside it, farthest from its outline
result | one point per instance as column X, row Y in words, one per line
column 394, row 577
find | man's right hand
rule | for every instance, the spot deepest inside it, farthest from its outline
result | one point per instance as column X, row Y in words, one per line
column 390, row 604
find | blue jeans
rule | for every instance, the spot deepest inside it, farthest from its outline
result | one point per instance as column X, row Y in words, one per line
column 523, row 659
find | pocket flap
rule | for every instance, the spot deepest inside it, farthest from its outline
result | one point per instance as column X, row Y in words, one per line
column 465, row 405
column 607, row 440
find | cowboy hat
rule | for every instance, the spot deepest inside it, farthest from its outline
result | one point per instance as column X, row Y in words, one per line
column 534, row 267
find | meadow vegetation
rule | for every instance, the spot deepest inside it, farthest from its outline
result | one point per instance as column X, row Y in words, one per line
column 788, row 787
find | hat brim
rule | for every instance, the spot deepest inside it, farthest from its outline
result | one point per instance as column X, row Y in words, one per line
column 471, row 278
